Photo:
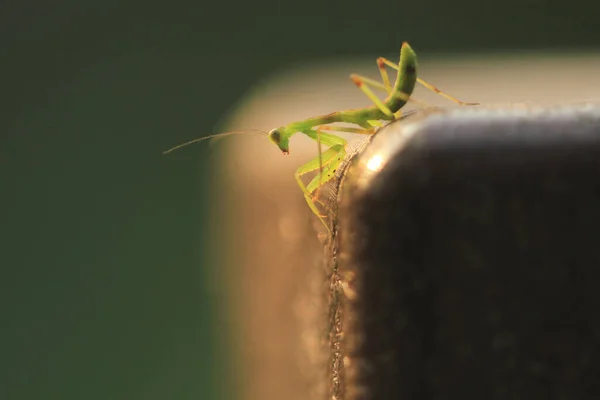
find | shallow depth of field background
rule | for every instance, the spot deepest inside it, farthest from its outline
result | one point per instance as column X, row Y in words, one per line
column 109, row 288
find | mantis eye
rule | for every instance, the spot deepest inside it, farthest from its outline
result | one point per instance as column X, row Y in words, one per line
column 275, row 136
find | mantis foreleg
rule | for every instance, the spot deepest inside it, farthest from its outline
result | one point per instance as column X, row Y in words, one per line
column 329, row 159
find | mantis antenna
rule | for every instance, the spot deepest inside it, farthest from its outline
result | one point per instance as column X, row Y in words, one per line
column 218, row 135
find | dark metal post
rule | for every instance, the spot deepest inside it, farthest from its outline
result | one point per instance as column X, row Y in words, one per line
column 468, row 247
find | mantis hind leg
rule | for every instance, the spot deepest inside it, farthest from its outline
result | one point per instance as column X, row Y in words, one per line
column 385, row 61
column 384, row 75
column 438, row 91
column 385, row 78
column 363, row 84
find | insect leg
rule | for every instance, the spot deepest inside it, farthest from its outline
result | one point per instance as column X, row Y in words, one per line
column 438, row 91
column 329, row 170
column 330, row 128
column 384, row 75
column 331, row 154
column 363, row 83
column 372, row 82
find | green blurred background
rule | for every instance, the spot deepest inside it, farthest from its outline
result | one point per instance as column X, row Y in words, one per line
column 106, row 286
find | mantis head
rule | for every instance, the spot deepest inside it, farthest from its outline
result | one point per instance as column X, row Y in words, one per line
column 281, row 138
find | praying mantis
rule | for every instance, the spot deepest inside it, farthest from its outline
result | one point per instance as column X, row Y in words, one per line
column 367, row 119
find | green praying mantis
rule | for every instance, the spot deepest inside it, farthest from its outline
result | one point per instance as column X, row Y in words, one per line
column 367, row 119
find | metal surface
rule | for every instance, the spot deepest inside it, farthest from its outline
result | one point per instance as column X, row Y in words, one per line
column 467, row 247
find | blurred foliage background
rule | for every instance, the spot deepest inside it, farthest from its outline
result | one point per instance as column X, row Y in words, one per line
column 106, row 265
